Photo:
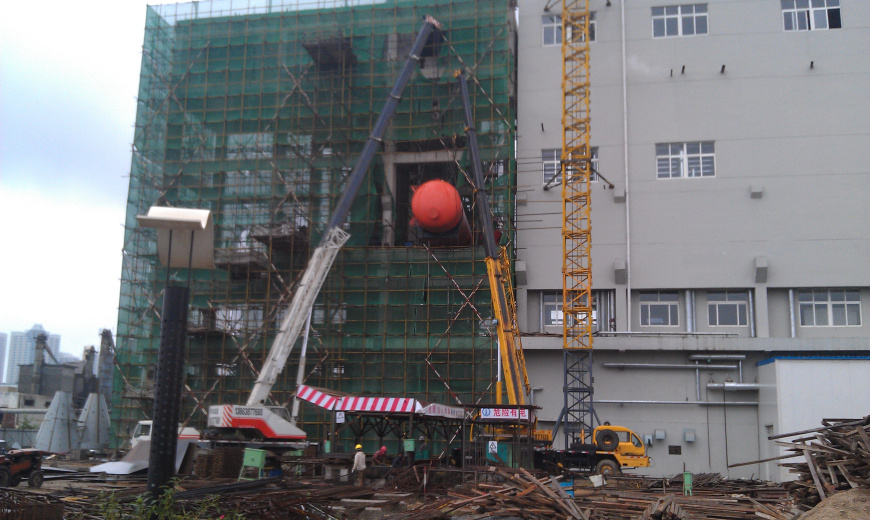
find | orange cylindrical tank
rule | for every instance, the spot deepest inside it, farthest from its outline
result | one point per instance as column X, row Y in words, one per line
column 437, row 207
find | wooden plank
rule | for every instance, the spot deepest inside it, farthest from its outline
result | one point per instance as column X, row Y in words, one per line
column 815, row 474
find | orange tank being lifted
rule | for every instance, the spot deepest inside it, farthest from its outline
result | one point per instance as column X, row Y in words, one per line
column 437, row 208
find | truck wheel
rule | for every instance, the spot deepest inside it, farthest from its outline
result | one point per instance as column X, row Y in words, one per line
column 36, row 479
column 15, row 480
column 607, row 468
column 5, row 476
column 607, row 440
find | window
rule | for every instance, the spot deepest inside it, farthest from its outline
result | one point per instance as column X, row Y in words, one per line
column 551, row 309
column 727, row 308
column 695, row 159
column 552, row 25
column 679, row 20
column 249, row 146
column 551, row 160
column 552, row 165
column 552, row 29
column 810, row 15
column 830, row 308
column 659, row 309
column 593, row 174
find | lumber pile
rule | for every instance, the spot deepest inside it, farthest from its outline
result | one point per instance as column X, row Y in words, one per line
column 835, row 457
column 519, row 495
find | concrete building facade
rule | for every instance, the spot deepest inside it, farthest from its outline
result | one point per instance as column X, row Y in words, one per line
column 21, row 348
column 729, row 223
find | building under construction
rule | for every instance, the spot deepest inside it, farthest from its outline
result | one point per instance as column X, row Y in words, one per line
column 258, row 112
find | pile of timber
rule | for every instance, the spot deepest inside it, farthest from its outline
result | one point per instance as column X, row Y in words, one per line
column 836, row 457
column 487, row 492
column 519, row 495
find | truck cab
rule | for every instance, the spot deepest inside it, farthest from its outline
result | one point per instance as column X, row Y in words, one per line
column 612, row 449
column 142, row 432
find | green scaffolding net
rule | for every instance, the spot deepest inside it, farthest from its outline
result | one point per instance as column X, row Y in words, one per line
column 257, row 111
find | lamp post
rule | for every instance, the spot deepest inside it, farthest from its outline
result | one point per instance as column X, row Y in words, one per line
column 185, row 238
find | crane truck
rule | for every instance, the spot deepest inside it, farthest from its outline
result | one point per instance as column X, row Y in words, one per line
column 272, row 424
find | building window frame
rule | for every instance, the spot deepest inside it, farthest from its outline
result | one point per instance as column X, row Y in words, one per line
column 659, row 308
column 829, row 307
column 810, row 15
column 551, row 165
column 551, row 30
column 692, row 159
column 551, row 309
column 727, row 308
column 673, row 21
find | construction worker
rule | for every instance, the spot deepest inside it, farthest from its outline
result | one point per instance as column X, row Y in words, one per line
column 359, row 464
column 380, row 456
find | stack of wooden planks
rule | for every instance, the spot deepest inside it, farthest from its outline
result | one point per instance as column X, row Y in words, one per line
column 836, row 456
column 519, row 495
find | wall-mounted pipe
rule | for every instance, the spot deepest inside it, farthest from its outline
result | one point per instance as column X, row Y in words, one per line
column 733, row 387
column 702, row 403
column 690, row 311
column 791, row 319
column 717, row 357
column 669, row 366
column 674, row 334
column 751, row 314
column 628, row 267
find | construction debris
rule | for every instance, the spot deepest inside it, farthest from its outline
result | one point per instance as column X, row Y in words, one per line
column 431, row 493
column 834, row 458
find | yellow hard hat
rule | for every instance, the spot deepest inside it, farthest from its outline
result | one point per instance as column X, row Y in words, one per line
column 359, row 446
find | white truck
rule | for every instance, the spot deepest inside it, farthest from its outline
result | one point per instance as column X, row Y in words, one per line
column 142, row 432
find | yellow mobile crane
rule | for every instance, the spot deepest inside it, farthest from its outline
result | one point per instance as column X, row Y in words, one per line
column 516, row 380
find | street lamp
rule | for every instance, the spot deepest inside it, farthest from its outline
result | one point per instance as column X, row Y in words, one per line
column 185, row 238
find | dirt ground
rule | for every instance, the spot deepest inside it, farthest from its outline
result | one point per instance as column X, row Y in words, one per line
column 853, row 504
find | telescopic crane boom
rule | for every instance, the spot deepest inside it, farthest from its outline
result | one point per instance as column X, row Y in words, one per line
column 335, row 237
column 503, row 308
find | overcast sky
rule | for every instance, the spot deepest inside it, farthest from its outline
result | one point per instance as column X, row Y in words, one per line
column 69, row 73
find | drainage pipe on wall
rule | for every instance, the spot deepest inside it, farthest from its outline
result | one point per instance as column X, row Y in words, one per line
column 751, row 314
column 627, row 191
column 703, row 403
column 690, row 311
column 791, row 313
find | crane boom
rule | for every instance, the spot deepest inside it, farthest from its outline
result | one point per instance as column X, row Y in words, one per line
column 510, row 348
column 334, row 237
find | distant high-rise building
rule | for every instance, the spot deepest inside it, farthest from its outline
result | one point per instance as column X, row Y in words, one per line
column 3, row 336
column 21, row 348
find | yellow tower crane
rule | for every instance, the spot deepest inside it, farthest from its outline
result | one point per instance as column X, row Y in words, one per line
column 576, row 158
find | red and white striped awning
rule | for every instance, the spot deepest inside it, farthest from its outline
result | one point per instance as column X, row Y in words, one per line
column 316, row 396
column 378, row 404
column 349, row 403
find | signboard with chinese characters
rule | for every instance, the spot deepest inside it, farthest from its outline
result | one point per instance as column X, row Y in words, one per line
column 339, row 417
column 505, row 414
column 442, row 410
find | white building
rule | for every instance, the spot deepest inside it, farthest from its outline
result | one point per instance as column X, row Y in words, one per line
column 730, row 256
column 21, row 348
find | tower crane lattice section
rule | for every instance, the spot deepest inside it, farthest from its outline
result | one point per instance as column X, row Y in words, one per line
column 578, row 409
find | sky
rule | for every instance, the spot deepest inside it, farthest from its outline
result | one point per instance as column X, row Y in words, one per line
column 69, row 74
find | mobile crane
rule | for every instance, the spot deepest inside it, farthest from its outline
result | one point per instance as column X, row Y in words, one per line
column 255, row 419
